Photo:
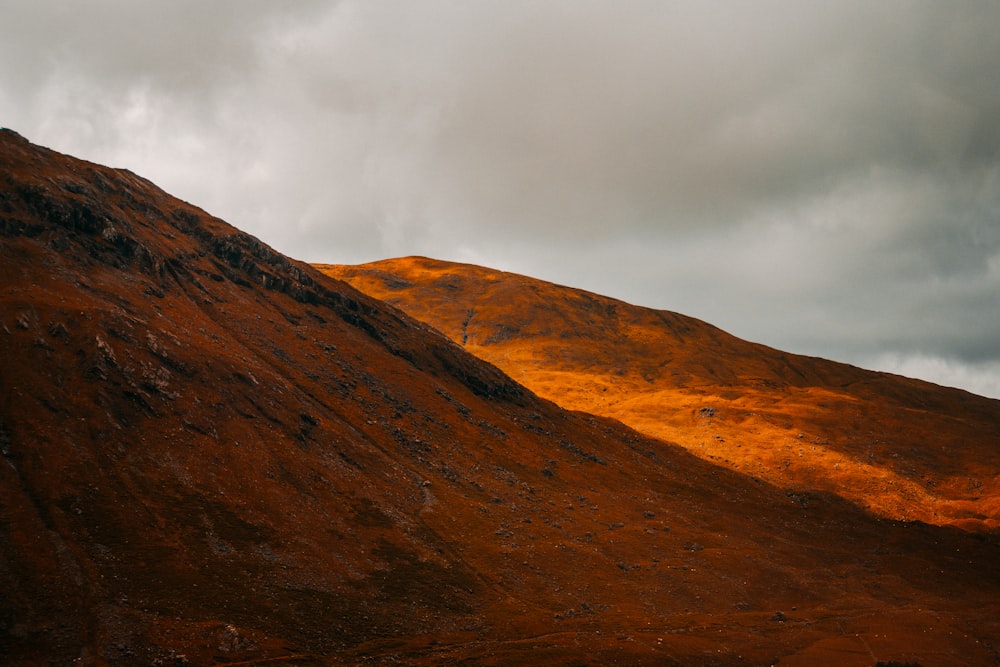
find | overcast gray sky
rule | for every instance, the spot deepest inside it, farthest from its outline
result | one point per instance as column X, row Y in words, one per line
column 822, row 177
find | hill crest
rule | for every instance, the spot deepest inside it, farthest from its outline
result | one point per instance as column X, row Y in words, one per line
column 904, row 448
column 213, row 454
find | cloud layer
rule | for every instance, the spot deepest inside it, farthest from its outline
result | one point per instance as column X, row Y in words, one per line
column 821, row 177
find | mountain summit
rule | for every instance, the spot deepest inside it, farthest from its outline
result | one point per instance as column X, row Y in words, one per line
column 902, row 448
column 214, row 454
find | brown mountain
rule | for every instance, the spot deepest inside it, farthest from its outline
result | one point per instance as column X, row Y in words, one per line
column 903, row 448
column 213, row 454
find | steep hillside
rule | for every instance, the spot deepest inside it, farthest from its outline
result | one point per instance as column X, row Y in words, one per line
column 903, row 448
column 212, row 454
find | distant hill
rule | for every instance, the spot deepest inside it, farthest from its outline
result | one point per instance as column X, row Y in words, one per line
column 213, row 454
column 903, row 448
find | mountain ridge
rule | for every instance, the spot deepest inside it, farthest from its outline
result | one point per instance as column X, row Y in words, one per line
column 213, row 454
column 794, row 420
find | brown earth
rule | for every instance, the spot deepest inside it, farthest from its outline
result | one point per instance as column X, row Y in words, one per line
column 903, row 448
column 213, row 454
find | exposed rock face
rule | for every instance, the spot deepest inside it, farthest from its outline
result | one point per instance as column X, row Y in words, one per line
column 210, row 453
column 902, row 448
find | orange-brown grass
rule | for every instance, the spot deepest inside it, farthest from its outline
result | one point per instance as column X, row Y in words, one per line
column 213, row 454
column 903, row 448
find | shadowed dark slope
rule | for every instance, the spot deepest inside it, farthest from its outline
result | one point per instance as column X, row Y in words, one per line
column 212, row 454
column 906, row 449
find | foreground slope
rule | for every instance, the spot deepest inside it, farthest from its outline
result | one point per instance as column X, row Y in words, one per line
column 212, row 454
column 904, row 448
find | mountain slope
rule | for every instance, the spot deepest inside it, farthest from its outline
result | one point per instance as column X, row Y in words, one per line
column 904, row 448
column 212, row 454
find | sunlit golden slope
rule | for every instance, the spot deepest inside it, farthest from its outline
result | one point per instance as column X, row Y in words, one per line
column 903, row 448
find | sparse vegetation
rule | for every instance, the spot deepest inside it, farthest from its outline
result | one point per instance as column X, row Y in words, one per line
column 275, row 499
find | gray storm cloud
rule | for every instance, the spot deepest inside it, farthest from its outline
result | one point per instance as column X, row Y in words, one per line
column 821, row 177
